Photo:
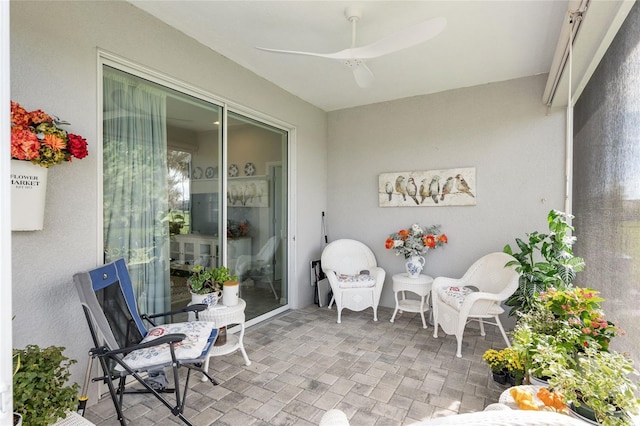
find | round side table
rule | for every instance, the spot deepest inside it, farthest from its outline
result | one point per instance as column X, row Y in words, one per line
column 223, row 316
column 420, row 286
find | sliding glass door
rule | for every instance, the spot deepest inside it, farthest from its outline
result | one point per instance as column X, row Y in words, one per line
column 256, row 212
column 181, row 190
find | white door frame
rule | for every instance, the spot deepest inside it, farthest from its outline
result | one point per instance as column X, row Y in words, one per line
column 6, row 337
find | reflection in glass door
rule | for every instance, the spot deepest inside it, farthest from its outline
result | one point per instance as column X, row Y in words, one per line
column 256, row 212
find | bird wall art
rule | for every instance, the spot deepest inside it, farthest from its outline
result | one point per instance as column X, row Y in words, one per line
column 431, row 188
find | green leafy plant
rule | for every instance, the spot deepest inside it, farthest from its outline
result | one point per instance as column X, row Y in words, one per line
column 544, row 261
column 541, row 339
column 600, row 381
column 39, row 391
column 176, row 222
column 206, row 281
column 579, row 308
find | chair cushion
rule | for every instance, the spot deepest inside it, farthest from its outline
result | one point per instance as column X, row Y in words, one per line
column 454, row 296
column 355, row 281
column 200, row 337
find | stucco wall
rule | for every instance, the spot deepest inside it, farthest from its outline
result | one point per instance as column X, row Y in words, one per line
column 54, row 67
column 502, row 129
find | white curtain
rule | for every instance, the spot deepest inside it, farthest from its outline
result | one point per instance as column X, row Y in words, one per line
column 135, row 185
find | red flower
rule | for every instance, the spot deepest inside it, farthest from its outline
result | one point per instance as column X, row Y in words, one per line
column 404, row 233
column 443, row 238
column 77, row 146
column 388, row 244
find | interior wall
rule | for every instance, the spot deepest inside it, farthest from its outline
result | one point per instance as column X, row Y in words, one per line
column 501, row 129
column 54, row 67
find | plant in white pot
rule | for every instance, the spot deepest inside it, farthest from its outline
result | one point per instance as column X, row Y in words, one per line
column 600, row 387
column 206, row 284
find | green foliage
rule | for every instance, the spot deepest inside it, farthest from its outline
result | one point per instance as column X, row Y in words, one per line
column 39, row 391
column 601, row 381
column 540, row 338
column 204, row 281
column 544, row 261
column 176, row 222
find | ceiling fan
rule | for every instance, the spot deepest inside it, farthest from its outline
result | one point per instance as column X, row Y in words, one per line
column 354, row 57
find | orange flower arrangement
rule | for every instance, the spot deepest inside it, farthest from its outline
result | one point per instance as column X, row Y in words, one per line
column 415, row 240
column 37, row 137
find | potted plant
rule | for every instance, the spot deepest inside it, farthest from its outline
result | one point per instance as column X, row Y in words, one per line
column 539, row 337
column 413, row 243
column 579, row 308
column 496, row 363
column 599, row 388
column 514, row 364
column 206, row 284
column 206, row 287
column 39, row 392
column 544, row 261
column 17, row 417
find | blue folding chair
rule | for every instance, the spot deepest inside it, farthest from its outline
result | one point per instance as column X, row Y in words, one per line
column 125, row 346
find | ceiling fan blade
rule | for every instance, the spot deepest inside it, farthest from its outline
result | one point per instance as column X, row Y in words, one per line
column 343, row 54
column 361, row 72
column 404, row 39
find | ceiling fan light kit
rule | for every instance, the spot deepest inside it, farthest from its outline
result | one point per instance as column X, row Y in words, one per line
column 354, row 57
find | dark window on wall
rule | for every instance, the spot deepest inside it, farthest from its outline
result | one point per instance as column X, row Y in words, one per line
column 606, row 182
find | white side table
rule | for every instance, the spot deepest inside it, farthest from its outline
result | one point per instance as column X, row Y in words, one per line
column 73, row 419
column 224, row 316
column 420, row 286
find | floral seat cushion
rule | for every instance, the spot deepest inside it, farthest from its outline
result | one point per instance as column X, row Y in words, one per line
column 454, row 296
column 200, row 337
column 355, row 281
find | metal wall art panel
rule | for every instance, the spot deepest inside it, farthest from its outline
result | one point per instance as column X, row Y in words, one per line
column 431, row 188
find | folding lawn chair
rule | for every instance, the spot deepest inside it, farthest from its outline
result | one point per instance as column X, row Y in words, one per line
column 126, row 348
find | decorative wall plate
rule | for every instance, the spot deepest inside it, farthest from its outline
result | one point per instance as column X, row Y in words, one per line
column 197, row 173
column 210, row 173
column 233, row 170
column 249, row 169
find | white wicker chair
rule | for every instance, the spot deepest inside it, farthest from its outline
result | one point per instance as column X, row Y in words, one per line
column 453, row 308
column 350, row 257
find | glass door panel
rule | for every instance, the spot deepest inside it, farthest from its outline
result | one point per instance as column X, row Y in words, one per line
column 161, row 192
column 256, row 212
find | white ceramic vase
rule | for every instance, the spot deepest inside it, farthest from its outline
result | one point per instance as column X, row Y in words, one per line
column 209, row 299
column 414, row 266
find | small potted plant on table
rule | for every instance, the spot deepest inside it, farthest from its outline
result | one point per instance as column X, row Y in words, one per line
column 206, row 287
column 206, row 284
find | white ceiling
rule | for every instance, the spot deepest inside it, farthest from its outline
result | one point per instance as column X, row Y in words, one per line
column 483, row 42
